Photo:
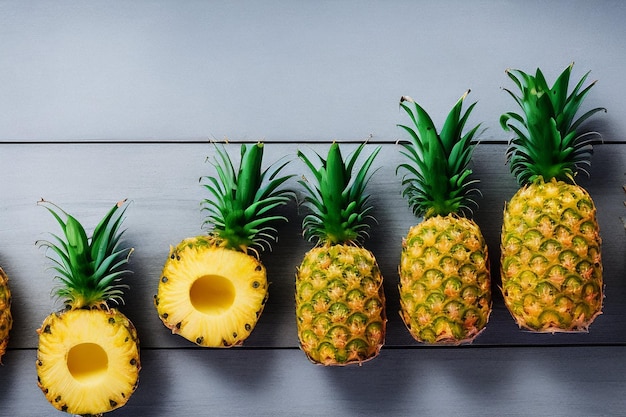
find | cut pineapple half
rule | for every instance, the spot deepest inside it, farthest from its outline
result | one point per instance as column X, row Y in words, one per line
column 88, row 353
column 210, row 294
column 92, row 354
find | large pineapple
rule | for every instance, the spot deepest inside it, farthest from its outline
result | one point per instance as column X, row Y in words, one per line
column 213, row 288
column 88, row 354
column 340, row 302
column 6, row 320
column 551, row 265
column 445, row 284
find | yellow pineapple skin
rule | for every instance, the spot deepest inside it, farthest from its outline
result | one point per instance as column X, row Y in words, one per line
column 88, row 359
column 551, row 264
column 445, row 281
column 6, row 319
column 340, row 305
column 211, row 295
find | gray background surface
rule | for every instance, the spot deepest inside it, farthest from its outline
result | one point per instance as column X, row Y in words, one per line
column 101, row 101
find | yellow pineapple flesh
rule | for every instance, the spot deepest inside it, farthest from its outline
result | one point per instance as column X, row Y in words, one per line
column 445, row 285
column 87, row 359
column 88, row 353
column 210, row 294
column 340, row 305
column 213, row 288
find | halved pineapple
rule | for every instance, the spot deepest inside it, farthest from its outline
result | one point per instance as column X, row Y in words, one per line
column 214, row 295
column 213, row 288
column 88, row 353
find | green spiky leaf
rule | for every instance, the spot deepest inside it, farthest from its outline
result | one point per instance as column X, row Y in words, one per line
column 339, row 209
column 547, row 142
column 240, row 203
column 437, row 178
column 88, row 269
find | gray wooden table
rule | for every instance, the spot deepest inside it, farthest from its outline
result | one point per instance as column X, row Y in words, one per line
column 506, row 371
column 104, row 100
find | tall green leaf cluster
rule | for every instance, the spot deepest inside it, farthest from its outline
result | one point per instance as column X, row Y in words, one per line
column 337, row 200
column 241, row 200
column 547, row 142
column 88, row 269
column 437, row 179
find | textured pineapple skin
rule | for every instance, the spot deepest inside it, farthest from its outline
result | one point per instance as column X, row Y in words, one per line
column 6, row 320
column 199, row 257
column 340, row 305
column 445, row 283
column 551, row 263
column 95, row 324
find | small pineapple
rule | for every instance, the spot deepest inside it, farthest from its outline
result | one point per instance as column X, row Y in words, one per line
column 6, row 320
column 551, row 265
column 213, row 288
column 340, row 302
column 88, row 354
column 445, row 283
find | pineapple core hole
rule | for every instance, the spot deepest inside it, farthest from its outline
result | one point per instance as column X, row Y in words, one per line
column 212, row 294
column 87, row 362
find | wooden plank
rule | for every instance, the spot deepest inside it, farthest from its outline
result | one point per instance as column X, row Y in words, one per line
column 162, row 182
column 550, row 382
column 247, row 70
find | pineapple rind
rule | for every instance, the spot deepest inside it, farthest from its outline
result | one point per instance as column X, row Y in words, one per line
column 202, row 256
column 445, row 283
column 6, row 319
column 551, row 258
column 340, row 305
column 106, row 327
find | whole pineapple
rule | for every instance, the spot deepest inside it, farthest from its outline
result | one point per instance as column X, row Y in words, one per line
column 213, row 288
column 445, row 284
column 340, row 302
column 551, row 265
column 88, row 354
column 6, row 319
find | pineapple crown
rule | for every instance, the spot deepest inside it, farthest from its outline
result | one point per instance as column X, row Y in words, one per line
column 238, row 213
column 339, row 207
column 88, row 269
column 547, row 143
column 437, row 179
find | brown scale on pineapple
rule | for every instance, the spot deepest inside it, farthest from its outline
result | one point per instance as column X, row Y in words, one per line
column 341, row 316
column 552, row 270
column 6, row 319
column 445, row 284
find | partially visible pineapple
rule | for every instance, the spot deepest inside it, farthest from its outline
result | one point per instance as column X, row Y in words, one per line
column 445, row 283
column 88, row 354
column 6, row 320
column 624, row 221
column 551, row 264
column 213, row 288
column 340, row 302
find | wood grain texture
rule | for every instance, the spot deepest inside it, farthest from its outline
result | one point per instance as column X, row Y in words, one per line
column 469, row 382
column 277, row 70
column 162, row 182
column 505, row 372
